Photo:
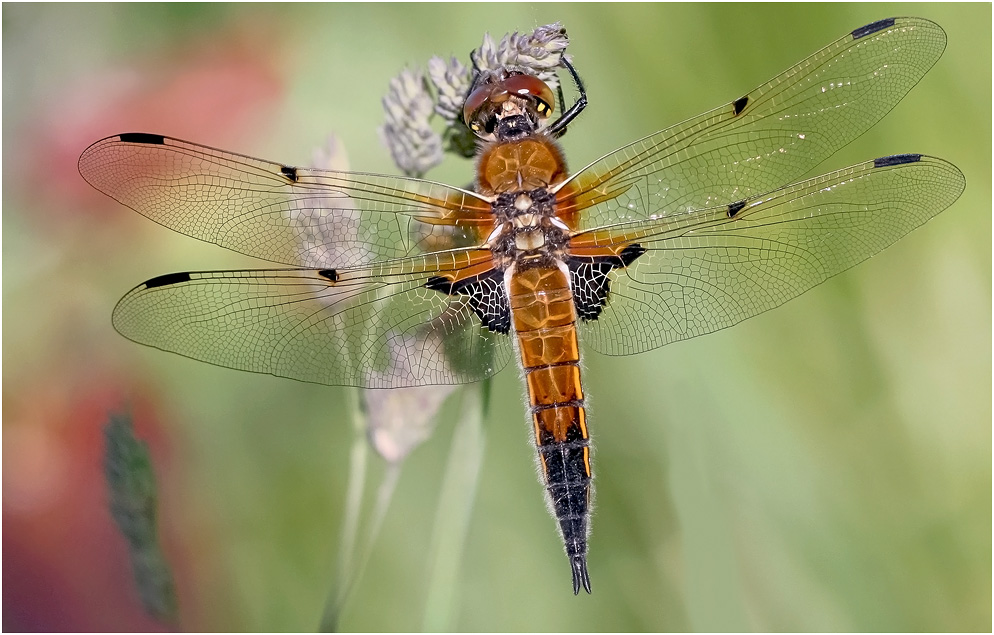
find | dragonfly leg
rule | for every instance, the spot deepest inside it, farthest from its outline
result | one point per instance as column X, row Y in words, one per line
column 558, row 127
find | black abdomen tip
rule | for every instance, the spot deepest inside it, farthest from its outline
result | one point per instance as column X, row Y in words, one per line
column 580, row 576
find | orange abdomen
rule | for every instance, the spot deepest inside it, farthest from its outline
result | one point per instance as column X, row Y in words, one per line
column 544, row 321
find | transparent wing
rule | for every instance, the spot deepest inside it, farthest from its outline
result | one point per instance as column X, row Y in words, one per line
column 706, row 270
column 764, row 140
column 295, row 216
column 375, row 327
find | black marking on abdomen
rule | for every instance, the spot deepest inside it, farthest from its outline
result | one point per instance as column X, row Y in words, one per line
column 896, row 159
column 330, row 274
column 568, row 467
column 574, row 434
column 577, row 403
column 740, row 104
column 568, row 487
column 566, row 475
column 167, row 279
column 872, row 27
column 142, row 137
column 735, row 208
column 289, row 172
column 569, row 444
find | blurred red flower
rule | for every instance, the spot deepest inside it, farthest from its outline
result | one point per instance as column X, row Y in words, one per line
column 219, row 92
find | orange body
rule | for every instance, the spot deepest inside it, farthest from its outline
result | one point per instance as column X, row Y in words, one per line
column 545, row 326
column 543, row 318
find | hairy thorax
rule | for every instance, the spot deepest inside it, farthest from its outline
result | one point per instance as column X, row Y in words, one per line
column 519, row 174
column 524, row 164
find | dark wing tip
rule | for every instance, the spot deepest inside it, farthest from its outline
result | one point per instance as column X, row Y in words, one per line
column 142, row 137
column 896, row 159
column 580, row 576
column 167, row 279
column 85, row 164
column 873, row 27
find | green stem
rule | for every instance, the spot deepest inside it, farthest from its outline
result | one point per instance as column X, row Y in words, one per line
column 452, row 517
column 345, row 575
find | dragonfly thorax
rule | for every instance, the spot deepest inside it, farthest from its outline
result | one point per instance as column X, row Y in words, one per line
column 527, row 228
column 528, row 164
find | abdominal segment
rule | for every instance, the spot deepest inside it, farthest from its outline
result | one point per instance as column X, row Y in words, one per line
column 544, row 320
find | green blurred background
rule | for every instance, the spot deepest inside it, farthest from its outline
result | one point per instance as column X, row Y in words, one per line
column 826, row 466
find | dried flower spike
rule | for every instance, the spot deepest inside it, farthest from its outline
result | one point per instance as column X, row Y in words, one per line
column 407, row 132
column 409, row 104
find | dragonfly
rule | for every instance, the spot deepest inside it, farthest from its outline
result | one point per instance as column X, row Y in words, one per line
column 392, row 281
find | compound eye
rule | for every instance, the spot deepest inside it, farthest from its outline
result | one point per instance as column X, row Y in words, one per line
column 528, row 85
column 477, row 99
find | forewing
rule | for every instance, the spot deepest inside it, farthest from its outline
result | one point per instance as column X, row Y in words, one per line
column 706, row 270
column 375, row 326
column 295, row 216
column 764, row 140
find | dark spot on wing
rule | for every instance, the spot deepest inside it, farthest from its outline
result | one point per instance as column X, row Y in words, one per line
column 872, row 27
column 168, row 279
column 590, row 282
column 591, row 286
column 740, row 104
column 330, row 274
column 486, row 297
column 142, row 137
column 630, row 253
column 896, row 159
column 735, row 208
column 439, row 283
column 289, row 172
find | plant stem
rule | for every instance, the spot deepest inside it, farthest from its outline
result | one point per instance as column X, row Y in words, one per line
column 452, row 517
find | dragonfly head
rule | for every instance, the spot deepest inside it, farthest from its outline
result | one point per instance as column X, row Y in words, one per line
column 508, row 105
